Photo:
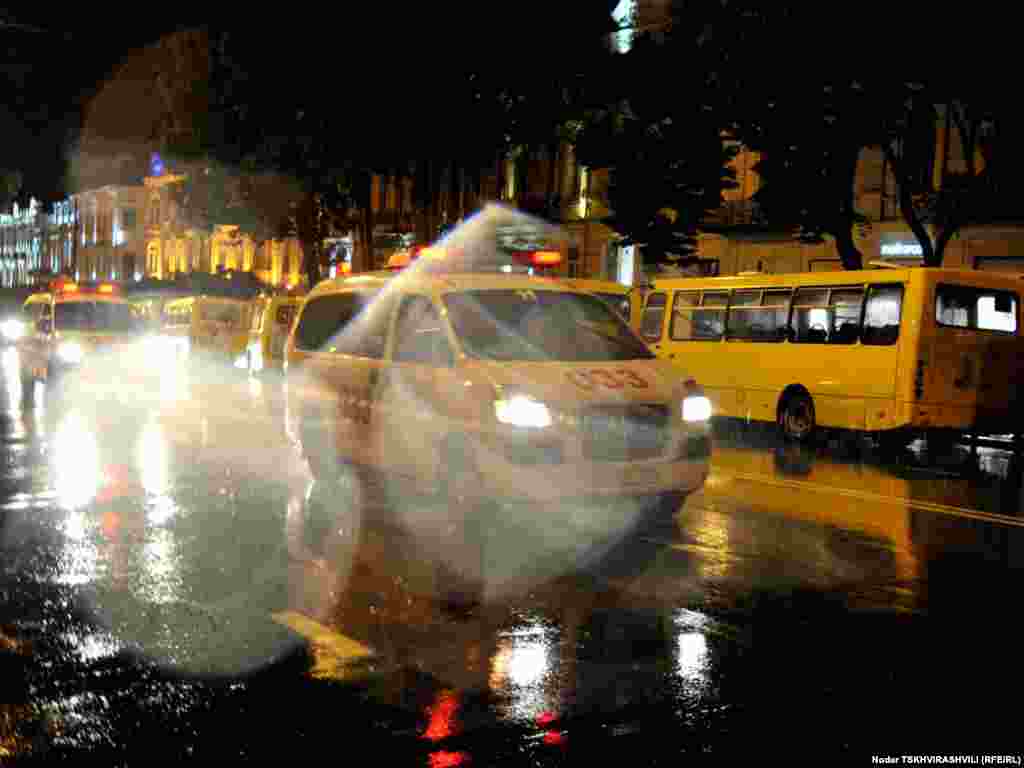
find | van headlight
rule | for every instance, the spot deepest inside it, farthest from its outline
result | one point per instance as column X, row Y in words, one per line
column 13, row 329
column 696, row 408
column 522, row 411
column 70, row 352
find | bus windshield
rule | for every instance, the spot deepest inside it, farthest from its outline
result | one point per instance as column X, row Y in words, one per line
column 541, row 325
column 96, row 316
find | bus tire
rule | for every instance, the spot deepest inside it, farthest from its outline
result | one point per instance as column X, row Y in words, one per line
column 796, row 417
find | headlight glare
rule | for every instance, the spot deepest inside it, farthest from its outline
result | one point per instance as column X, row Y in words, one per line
column 522, row 411
column 13, row 329
column 70, row 352
column 696, row 408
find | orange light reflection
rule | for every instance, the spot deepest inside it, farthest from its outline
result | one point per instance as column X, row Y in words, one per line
column 442, row 717
column 448, row 759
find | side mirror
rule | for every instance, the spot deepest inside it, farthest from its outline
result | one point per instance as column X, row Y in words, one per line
column 44, row 325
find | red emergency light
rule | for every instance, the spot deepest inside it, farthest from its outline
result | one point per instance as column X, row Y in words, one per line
column 63, row 287
column 539, row 258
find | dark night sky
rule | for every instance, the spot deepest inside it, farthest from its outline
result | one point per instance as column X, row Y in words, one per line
column 49, row 65
column 51, row 62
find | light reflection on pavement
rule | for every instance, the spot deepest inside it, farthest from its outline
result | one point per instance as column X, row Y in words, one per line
column 203, row 503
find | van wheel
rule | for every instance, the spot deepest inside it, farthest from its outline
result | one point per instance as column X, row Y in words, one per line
column 796, row 417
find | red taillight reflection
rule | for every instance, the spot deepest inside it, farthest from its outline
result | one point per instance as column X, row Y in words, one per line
column 448, row 759
column 555, row 738
column 442, row 717
column 546, row 718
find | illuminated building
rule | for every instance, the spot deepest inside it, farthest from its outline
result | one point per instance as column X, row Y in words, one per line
column 110, row 234
column 21, row 237
column 174, row 248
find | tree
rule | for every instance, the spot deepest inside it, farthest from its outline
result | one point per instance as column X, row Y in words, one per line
column 203, row 200
column 807, row 123
column 667, row 161
column 936, row 208
column 808, row 169
column 10, row 187
column 540, row 114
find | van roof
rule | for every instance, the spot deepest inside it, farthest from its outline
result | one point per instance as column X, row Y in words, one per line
column 430, row 282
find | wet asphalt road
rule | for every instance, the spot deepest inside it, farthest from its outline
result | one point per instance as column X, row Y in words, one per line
column 174, row 586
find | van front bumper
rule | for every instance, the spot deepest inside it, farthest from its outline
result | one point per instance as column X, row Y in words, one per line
column 548, row 482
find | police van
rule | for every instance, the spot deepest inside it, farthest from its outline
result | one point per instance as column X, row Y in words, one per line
column 489, row 385
column 272, row 318
column 626, row 300
column 70, row 325
column 210, row 328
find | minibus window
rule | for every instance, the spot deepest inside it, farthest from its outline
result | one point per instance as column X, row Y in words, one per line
column 844, row 304
column 810, row 315
column 653, row 317
column 709, row 320
column 882, row 314
column 684, row 303
column 979, row 309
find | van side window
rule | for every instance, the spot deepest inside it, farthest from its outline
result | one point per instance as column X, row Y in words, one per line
column 322, row 325
column 653, row 317
column 420, row 335
column 369, row 333
column 228, row 314
column 882, row 314
column 177, row 316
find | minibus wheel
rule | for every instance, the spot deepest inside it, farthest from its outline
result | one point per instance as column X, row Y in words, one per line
column 796, row 416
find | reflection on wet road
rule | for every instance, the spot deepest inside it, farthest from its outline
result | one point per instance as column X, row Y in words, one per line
column 161, row 557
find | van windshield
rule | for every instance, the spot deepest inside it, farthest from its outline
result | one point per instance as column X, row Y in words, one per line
column 96, row 316
column 541, row 325
column 619, row 302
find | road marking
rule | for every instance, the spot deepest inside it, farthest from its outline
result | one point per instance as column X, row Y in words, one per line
column 925, row 506
column 336, row 657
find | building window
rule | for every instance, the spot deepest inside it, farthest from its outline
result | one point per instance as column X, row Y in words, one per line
column 583, row 191
column 626, row 265
column 510, row 179
column 625, row 16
